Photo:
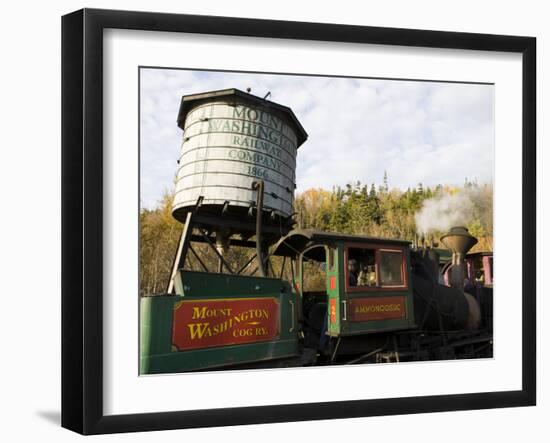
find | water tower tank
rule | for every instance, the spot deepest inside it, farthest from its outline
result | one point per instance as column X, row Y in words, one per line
column 230, row 140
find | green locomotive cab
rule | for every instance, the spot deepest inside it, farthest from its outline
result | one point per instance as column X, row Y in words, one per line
column 349, row 286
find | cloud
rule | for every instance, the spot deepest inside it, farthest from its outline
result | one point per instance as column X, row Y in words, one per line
column 434, row 133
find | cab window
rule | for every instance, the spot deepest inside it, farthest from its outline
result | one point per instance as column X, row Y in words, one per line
column 371, row 267
column 314, row 269
column 362, row 267
column 391, row 268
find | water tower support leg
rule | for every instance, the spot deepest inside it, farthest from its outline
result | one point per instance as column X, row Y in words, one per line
column 204, row 267
column 243, row 267
column 179, row 259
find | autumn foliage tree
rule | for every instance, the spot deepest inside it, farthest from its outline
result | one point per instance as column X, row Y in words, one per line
column 354, row 209
column 159, row 236
column 361, row 209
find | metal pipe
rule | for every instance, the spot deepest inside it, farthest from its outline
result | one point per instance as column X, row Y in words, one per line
column 457, row 270
column 259, row 187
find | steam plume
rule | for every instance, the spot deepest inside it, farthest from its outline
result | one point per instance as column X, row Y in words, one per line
column 444, row 211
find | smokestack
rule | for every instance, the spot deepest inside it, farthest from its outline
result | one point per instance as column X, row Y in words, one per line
column 459, row 241
column 434, row 264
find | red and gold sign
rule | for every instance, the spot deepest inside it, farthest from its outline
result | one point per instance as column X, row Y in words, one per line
column 377, row 308
column 208, row 323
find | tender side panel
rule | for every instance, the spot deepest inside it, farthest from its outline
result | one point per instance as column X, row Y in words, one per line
column 217, row 320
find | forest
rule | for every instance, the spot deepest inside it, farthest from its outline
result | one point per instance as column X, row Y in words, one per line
column 417, row 213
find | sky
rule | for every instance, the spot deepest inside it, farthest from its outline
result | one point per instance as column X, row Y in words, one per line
column 418, row 132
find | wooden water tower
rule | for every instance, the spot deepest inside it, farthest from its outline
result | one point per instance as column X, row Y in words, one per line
column 236, row 175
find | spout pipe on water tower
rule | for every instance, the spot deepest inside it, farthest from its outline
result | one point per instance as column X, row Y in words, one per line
column 259, row 187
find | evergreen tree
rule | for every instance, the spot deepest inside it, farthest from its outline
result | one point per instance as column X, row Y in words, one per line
column 353, row 209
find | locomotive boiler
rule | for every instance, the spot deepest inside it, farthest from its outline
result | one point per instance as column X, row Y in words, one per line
column 297, row 297
column 446, row 307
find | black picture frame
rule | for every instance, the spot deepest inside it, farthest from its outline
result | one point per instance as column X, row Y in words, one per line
column 82, row 215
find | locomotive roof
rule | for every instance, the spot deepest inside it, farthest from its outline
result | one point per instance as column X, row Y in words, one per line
column 188, row 102
column 298, row 239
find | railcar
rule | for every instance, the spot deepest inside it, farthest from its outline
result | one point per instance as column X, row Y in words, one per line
column 402, row 311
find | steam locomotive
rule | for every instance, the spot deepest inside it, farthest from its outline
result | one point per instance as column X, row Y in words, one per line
column 384, row 300
column 334, row 299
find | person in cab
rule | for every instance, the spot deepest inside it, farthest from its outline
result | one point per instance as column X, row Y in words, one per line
column 353, row 271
